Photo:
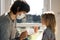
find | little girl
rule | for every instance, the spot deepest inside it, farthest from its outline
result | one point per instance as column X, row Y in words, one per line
column 49, row 21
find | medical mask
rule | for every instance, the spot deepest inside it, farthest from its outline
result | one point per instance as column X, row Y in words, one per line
column 21, row 16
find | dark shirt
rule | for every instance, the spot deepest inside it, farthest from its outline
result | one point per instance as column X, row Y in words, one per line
column 48, row 35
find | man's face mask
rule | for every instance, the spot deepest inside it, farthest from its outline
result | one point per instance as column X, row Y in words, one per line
column 21, row 16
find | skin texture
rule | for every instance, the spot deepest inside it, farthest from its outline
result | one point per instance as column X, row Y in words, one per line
column 36, row 28
column 23, row 35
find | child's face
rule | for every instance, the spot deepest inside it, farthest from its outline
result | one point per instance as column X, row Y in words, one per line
column 43, row 22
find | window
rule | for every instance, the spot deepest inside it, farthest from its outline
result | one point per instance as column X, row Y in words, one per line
column 36, row 6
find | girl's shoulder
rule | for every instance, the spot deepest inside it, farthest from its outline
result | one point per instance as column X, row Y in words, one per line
column 49, row 34
column 48, row 31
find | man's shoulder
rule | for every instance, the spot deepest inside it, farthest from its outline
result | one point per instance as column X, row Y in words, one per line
column 3, row 18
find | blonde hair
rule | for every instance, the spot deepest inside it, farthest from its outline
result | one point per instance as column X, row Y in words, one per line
column 49, row 21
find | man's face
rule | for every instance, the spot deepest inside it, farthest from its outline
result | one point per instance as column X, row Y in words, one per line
column 20, row 15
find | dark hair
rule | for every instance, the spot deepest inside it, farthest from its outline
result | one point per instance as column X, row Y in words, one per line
column 20, row 6
column 50, row 21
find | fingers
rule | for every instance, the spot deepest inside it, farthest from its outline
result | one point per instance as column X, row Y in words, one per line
column 23, row 35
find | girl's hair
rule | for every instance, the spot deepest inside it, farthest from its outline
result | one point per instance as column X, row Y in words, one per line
column 50, row 21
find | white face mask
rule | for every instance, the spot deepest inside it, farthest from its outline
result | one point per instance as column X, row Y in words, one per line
column 21, row 16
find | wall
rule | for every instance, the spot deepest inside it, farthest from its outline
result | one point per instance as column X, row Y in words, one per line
column 56, row 9
column 46, row 5
column 7, row 5
column 4, row 6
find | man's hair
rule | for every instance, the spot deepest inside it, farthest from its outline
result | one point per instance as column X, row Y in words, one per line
column 19, row 6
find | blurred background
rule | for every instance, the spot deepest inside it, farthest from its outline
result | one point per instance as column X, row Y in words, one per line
column 37, row 8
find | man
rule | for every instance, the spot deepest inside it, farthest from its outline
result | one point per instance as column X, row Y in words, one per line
column 8, row 22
